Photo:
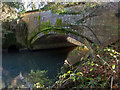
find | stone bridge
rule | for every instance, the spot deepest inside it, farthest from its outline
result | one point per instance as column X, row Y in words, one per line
column 54, row 37
column 100, row 28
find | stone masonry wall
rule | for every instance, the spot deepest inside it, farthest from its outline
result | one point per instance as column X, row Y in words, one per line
column 104, row 24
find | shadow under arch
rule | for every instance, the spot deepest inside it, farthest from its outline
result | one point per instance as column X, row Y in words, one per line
column 55, row 30
column 13, row 49
column 52, row 41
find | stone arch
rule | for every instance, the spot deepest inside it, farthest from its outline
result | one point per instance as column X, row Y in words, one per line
column 50, row 41
column 22, row 33
column 75, row 36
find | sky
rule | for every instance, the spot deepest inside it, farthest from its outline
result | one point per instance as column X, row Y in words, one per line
column 36, row 3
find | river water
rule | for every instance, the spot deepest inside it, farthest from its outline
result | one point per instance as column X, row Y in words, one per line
column 25, row 61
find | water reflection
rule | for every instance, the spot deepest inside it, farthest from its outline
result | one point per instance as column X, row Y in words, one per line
column 24, row 61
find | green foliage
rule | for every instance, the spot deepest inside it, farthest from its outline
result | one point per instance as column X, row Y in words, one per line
column 111, row 52
column 39, row 18
column 9, row 10
column 93, row 4
column 38, row 79
column 93, row 73
column 15, row 5
column 60, row 8
column 46, row 24
column 59, row 22
column 55, row 8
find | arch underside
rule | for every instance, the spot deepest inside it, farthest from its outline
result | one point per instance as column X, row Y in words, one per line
column 62, row 31
column 53, row 40
column 72, row 36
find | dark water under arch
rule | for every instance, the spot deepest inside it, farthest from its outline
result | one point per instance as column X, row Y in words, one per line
column 50, row 60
